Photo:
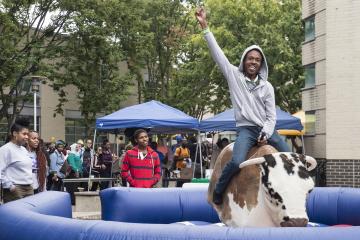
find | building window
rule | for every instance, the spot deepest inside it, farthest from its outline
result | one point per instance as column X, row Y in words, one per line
column 310, row 29
column 310, row 76
column 310, row 119
column 74, row 130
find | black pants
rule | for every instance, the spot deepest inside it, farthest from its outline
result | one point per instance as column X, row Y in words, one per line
column 72, row 187
column 94, row 185
column 105, row 174
column 55, row 185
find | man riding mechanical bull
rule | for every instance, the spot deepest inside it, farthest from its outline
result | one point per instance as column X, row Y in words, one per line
column 253, row 100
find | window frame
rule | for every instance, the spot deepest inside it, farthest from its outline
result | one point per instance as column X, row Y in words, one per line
column 306, row 68
column 310, row 21
column 310, row 124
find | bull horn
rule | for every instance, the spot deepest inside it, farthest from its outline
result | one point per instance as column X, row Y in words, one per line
column 311, row 161
column 252, row 161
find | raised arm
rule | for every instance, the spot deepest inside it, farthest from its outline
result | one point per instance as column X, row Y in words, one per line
column 215, row 50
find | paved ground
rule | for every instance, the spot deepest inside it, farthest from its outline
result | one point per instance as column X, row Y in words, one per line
column 87, row 215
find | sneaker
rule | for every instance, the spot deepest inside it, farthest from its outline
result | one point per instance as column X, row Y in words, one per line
column 217, row 198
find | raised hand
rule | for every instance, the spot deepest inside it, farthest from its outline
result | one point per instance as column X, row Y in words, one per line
column 200, row 15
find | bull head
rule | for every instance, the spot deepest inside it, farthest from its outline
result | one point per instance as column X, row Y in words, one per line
column 286, row 182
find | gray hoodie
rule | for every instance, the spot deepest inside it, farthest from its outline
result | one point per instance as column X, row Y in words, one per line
column 252, row 107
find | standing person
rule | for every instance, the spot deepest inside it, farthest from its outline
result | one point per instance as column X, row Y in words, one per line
column 57, row 159
column 178, row 139
column 87, row 158
column 162, row 146
column 182, row 154
column 82, row 147
column 15, row 164
column 129, row 146
column 74, row 162
column 154, row 146
column 253, row 99
column 219, row 146
column 141, row 165
column 39, row 162
column 166, row 150
column 105, row 161
column 96, row 169
column 42, row 147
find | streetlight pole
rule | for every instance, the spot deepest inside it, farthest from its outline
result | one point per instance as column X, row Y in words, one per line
column 35, row 87
column 35, row 113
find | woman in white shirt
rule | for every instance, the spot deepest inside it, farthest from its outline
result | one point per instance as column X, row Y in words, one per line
column 15, row 164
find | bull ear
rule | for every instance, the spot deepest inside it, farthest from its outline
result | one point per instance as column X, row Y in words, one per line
column 310, row 163
column 252, row 161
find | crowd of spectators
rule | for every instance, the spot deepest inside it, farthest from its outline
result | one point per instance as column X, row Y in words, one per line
column 28, row 166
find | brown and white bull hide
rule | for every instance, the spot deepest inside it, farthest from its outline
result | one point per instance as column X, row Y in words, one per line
column 262, row 195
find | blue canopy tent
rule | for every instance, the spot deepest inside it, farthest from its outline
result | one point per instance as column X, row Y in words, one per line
column 153, row 115
column 156, row 116
column 225, row 121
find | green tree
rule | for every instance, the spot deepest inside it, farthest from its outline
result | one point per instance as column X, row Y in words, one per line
column 132, row 37
column 274, row 25
column 90, row 60
column 150, row 33
column 25, row 43
column 181, row 71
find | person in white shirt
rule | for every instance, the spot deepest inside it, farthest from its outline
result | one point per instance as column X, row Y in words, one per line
column 39, row 162
column 15, row 164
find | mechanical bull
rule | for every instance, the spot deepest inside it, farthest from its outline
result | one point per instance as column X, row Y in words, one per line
column 269, row 191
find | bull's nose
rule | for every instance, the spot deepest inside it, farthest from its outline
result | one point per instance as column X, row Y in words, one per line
column 295, row 222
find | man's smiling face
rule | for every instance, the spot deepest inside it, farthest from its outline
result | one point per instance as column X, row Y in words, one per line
column 252, row 63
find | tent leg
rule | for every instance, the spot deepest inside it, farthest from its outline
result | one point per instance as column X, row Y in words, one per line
column 117, row 145
column 201, row 166
column 196, row 153
column 91, row 160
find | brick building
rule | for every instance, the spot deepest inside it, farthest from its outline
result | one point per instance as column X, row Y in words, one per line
column 331, row 57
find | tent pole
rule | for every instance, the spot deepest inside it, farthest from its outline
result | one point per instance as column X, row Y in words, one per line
column 112, row 161
column 303, row 144
column 201, row 166
column 212, row 146
column 91, row 159
column 117, row 145
column 194, row 167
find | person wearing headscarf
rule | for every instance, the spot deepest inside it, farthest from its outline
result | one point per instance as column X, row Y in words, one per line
column 74, row 161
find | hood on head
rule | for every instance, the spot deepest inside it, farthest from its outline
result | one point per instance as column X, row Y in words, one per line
column 263, row 72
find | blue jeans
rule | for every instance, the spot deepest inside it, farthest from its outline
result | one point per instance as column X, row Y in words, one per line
column 246, row 139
